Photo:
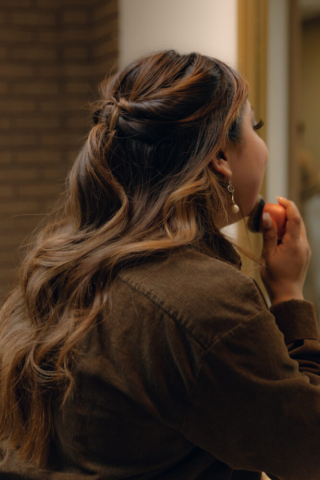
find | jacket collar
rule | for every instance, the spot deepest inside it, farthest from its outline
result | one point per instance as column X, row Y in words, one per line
column 227, row 251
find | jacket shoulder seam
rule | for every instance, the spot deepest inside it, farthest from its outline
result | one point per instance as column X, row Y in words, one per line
column 175, row 319
column 153, row 300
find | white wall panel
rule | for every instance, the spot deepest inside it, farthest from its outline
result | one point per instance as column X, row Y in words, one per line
column 206, row 26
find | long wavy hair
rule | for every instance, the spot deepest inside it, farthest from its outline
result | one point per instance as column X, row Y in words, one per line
column 141, row 186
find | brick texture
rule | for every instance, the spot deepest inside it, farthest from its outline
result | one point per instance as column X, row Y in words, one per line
column 53, row 55
column 104, row 37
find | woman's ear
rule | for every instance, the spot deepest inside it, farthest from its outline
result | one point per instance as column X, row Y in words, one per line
column 222, row 165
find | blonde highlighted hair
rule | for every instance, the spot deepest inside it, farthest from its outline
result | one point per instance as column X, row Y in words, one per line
column 141, row 186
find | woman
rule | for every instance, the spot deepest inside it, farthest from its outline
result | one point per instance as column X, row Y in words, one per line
column 133, row 346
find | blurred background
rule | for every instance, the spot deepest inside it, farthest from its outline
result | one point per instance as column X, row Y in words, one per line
column 54, row 54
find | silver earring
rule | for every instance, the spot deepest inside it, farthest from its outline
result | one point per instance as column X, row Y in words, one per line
column 230, row 188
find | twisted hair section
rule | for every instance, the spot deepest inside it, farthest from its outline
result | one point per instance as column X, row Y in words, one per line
column 140, row 187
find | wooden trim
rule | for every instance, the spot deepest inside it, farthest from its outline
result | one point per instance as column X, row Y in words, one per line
column 253, row 55
column 252, row 64
column 253, row 51
column 294, row 99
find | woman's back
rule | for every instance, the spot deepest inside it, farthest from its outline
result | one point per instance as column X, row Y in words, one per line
column 132, row 346
column 164, row 386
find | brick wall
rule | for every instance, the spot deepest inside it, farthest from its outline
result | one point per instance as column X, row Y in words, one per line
column 53, row 54
column 104, row 37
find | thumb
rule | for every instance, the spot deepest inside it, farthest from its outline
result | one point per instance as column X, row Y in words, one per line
column 270, row 234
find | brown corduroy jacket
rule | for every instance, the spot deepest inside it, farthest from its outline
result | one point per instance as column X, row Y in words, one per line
column 190, row 376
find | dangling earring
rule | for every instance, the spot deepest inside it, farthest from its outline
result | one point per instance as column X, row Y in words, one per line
column 230, row 188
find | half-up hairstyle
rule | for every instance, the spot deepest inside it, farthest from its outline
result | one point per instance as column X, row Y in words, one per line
column 142, row 185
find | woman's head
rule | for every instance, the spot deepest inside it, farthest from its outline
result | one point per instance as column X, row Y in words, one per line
column 147, row 181
column 245, row 162
column 159, row 123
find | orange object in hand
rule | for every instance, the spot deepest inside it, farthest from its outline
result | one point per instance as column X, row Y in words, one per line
column 278, row 214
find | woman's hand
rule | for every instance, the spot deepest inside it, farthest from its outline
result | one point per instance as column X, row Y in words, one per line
column 286, row 264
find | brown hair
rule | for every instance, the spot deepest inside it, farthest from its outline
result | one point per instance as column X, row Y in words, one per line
column 141, row 186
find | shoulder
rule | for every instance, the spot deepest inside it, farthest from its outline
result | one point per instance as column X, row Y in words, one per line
column 205, row 295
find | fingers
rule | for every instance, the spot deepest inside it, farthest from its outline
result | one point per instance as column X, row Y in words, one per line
column 294, row 224
column 270, row 234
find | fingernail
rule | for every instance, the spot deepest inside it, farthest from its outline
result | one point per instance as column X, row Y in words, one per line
column 266, row 219
column 281, row 198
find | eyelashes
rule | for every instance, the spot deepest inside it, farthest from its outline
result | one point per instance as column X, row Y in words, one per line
column 257, row 126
